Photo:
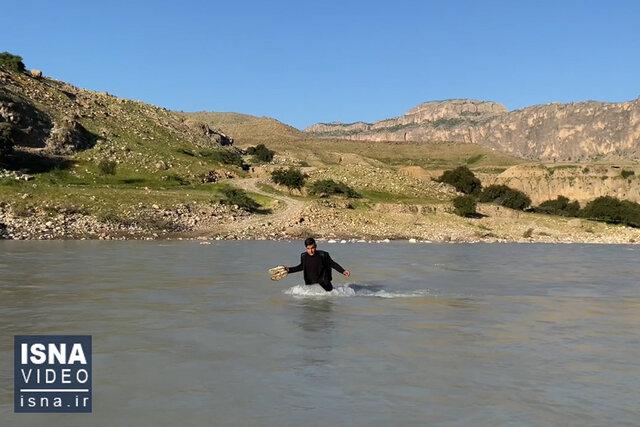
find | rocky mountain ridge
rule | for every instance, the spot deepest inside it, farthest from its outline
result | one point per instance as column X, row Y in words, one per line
column 553, row 132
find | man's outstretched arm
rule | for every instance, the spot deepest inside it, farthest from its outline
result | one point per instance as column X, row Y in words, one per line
column 296, row 268
column 338, row 267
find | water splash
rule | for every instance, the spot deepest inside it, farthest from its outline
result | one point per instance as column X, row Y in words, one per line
column 353, row 290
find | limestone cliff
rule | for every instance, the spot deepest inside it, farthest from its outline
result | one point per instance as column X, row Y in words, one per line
column 552, row 132
column 577, row 183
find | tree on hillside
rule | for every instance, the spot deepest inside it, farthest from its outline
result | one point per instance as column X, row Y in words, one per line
column 291, row 178
column 613, row 210
column 261, row 153
column 465, row 206
column 462, row 179
column 328, row 187
column 505, row 196
column 560, row 206
column 11, row 62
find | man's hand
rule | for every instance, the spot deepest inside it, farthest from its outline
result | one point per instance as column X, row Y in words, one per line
column 346, row 273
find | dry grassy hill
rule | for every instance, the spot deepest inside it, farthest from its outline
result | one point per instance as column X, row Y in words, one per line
column 247, row 129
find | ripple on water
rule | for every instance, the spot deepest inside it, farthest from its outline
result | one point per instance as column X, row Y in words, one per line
column 353, row 290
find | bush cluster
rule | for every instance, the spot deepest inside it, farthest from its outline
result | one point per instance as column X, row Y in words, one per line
column 328, row 187
column 612, row 210
column 291, row 178
column 462, row 179
column 465, row 206
column 11, row 62
column 626, row 173
column 560, row 206
column 225, row 157
column 261, row 153
column 505, row 196
column 237, row 196
column 607, row 209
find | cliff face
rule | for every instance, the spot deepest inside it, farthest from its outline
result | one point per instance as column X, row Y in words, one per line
column 553, row 132
column 582, row 184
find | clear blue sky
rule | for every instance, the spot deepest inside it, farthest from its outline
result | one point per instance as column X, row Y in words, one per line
column 309, row 61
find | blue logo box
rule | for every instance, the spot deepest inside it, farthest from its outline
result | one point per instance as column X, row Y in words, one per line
column 52, row 373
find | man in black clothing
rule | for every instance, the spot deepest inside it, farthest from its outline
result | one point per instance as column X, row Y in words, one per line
column 316, row 266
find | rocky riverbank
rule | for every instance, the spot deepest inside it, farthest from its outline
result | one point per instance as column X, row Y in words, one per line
column 326, row 220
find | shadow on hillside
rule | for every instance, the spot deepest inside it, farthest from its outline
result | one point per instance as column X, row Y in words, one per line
column 30, row 162
column 263, row 211
column 476, row 215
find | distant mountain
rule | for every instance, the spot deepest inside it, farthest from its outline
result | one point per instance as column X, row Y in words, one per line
column 552, row 132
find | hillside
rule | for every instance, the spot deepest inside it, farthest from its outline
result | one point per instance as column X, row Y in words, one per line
column 575, row 132
column 247, row 129
column 109, row 162
column 91, row 165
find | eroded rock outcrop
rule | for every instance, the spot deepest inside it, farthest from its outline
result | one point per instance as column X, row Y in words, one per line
column 583, row 184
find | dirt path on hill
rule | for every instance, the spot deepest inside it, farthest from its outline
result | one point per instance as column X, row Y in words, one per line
column 287, row 213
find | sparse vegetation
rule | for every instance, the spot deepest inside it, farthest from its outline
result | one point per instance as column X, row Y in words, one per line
column 505, row 196
column 626, row 173
column 613, row 211
column 328, row 187
column 107, row 167
column 448, row 122
column 465, row 206
column 11, row 62
column 261, row 153
column 560, row 206
column 224, row 156
column 175, row 179
column 475, row 159
column 291, row 178
column 462, row 179
column 7, row 139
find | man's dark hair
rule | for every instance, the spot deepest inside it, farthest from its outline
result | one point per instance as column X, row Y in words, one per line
column 309, row 241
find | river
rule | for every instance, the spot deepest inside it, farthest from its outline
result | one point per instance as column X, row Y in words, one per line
column 421, row 334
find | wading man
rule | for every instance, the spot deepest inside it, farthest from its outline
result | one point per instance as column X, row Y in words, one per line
column 316, row 266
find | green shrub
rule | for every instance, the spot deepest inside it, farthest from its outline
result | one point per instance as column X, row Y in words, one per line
column 560, row 206
column 107, row 167
column 11, row 62
column 474, row 159
column 175, row 179
column 7, row 139
column 328, row 187
column 225, row 157
column 462, row 179
column 626, row 173
column 291, row 178
column 261, row 153
column 612, row 210
column 451, row 122
column 236, row 196
column 505, row 196
column 465, row 206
